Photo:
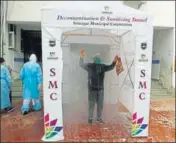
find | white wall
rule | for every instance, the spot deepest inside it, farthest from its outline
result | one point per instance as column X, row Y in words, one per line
column 25, row 11
column 10, row 54
column 163, row 11
column 163, row 46
column 133, row 4
column 30, row 11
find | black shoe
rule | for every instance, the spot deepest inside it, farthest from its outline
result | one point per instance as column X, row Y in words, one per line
column 2, row 112
column 9, row 109
column 100, row 121
column 90, row 121
column 25, row 112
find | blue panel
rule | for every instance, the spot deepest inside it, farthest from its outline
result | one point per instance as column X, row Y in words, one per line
column 155, row 61
column 18, row 59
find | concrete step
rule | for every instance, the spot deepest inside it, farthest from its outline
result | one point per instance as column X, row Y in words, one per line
column 158, row 86
column 159, row 91
column 156, row 89
column 16, row 83
column 161, row 95
column 19, row 89
column 16, row 94
column 19, row 94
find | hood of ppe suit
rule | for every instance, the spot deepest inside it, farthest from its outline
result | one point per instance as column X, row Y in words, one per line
column 33, row 58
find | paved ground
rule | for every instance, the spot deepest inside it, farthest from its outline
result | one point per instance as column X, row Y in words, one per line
column 29, row 128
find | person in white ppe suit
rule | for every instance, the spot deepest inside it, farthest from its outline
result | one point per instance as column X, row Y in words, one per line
column 31, row 77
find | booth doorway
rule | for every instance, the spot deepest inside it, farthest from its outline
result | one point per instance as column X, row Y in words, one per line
column 117, row 106
column 31, row 43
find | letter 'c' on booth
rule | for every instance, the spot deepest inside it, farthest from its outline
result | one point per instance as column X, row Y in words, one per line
column 53, row 96
column 142, row 96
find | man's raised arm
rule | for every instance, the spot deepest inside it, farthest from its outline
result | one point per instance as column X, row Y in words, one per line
column 111, row 66
column 81, row 60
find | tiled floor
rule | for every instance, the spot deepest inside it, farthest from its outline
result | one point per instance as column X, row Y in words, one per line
column 29, row 128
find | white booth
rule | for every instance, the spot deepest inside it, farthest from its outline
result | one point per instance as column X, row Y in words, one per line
column 108, row 28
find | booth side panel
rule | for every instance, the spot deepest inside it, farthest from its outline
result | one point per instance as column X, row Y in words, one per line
column 140, row 122
column 52, row 84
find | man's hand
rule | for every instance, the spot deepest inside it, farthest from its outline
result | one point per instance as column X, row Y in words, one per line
column 116, row 59
column 119, row 66
column 82, row 53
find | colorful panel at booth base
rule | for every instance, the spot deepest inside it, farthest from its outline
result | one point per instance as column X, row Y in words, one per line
column 137, row 125
column 51, row 129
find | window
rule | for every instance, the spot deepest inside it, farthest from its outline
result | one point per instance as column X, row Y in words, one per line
column 11, row 38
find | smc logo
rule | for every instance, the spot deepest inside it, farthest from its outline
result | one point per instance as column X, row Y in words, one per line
column 53, row 84
column 142, row 85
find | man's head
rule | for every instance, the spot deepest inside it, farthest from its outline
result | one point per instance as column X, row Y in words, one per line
column 33, row 58
column 97, row 59
column 2, row 61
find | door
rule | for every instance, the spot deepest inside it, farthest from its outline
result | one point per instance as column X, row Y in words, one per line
column 31, row 43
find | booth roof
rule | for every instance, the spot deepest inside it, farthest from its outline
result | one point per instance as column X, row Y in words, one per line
column 115, row 6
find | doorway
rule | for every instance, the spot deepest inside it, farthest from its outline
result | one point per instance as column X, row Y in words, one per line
column 31, row 43
column 162, row 62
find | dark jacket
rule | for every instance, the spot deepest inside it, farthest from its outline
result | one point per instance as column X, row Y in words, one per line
column 96, row 73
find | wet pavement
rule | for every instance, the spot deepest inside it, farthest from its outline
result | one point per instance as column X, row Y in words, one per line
column 30, row 128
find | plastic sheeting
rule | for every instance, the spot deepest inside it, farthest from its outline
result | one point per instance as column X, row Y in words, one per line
column 118, row 100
